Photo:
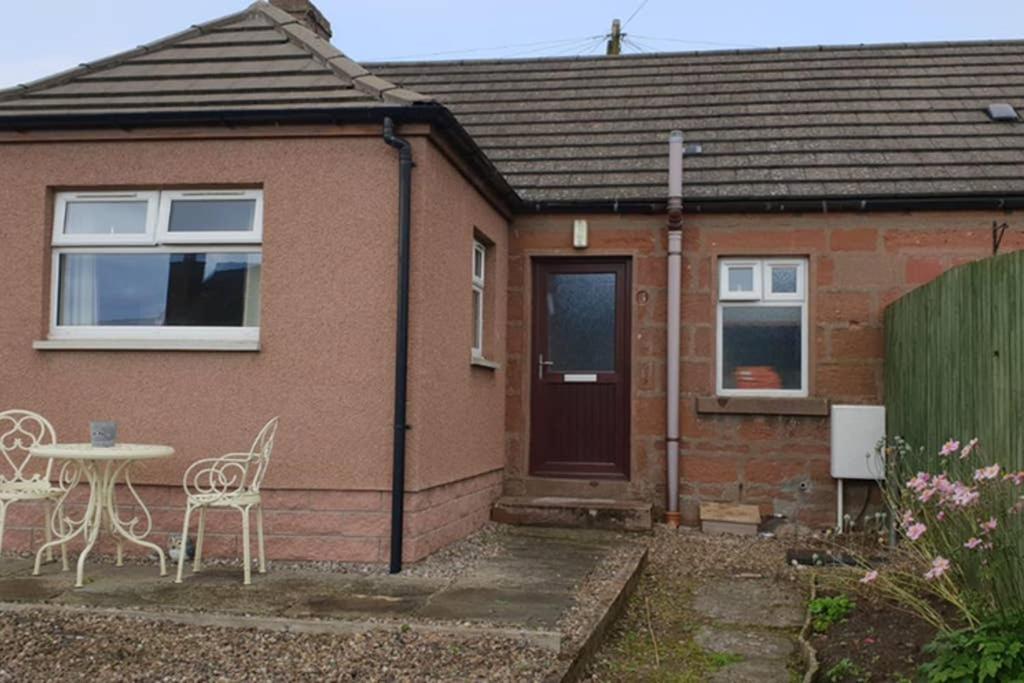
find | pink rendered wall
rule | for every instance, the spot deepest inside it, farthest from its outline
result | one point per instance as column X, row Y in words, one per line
column 328, row 296
column 457, row 410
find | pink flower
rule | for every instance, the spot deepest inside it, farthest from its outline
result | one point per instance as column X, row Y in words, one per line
column 973, row 543
column 916, row 531
column 985, row 473
column 927, row 494
column 941, row 516
column 1016, row 477
column 869, row 577
column 940, row 566
column 990, row 525
column 971, row 445
column 920, row 482
column 964, row 495
column 908, row 518
column 951, row 446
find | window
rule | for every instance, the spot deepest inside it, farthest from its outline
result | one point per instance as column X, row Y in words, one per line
column 479, row 263
column 762, row 327
column 180, row 265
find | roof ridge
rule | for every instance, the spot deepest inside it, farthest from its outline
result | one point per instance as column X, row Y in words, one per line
column 336, row 60
column 799, row 49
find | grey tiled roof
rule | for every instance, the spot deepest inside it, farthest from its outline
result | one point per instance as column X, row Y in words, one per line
column 834, row 122
column 258, row 59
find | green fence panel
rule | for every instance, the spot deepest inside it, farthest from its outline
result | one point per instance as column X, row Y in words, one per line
column 954, row 360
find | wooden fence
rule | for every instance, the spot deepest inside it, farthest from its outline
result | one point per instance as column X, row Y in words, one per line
column 954, row 360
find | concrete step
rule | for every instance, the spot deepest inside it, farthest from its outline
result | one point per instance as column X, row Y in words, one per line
column 582, row 513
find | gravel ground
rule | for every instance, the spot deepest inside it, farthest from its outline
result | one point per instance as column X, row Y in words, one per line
column 37, row 646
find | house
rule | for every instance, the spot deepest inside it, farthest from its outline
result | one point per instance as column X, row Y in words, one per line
column 210, row 229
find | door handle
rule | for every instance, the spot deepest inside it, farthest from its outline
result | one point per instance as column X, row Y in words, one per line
column 540, row 365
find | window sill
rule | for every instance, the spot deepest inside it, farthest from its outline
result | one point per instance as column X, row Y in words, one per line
column 143, row 345
column 742, row 405
column 478, row 362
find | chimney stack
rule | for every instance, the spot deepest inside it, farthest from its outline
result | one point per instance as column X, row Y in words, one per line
column 307, row 13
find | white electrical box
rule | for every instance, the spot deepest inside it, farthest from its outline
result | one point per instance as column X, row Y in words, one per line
column 856, row 431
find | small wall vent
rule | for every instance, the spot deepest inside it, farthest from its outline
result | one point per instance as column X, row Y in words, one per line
column 1000, row 111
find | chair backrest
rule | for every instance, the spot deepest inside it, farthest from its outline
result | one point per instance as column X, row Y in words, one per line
column 260, row 453
column 20, row 430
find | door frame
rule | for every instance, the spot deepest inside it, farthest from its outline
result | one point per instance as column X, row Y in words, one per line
column 624, row 355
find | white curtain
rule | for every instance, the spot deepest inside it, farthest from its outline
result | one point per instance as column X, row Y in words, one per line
column 79, row 295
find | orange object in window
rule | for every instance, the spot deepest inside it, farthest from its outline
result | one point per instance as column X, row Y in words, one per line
column 757, row 377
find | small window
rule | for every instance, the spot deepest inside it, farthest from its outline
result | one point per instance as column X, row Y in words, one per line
column 157, row 265
column 220, row 216
column 762, row 327
column 741, row 280
column 105, row 218
column 479, row 262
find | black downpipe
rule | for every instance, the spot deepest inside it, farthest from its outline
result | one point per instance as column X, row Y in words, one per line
column 401, row 342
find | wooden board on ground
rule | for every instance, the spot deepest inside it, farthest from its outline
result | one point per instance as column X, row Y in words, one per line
column 729, row 518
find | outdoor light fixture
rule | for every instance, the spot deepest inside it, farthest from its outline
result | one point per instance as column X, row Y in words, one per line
column 579, row 233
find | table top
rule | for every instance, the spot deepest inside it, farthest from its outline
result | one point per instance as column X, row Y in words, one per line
column 85, row 451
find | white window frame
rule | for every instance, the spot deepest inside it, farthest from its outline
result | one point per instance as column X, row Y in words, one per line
column 801, row 280
column 167, row 197
column 141, row 239
column 479, row 285
column 101, row 244
column 725, row 294
column 765, row 298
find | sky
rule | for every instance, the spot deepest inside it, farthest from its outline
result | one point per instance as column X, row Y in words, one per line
column 47, row 36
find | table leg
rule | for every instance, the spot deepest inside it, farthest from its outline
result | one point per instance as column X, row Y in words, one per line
column 126, row 530
column 62, row 526
column 93, row 520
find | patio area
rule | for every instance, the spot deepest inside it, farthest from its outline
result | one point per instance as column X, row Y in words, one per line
column 544, row 594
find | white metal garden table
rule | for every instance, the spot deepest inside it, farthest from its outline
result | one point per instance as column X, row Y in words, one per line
column 102, row 468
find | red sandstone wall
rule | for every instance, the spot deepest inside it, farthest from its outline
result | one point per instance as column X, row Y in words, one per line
column 858, row 264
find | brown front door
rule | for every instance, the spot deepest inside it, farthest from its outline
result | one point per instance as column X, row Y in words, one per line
column 579, row 412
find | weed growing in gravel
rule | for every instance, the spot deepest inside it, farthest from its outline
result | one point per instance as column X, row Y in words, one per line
column 846, row 670
column 719, row 660
column 826, row 611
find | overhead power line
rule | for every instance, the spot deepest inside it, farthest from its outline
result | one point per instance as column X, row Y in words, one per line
column 635, row 12
column 546, row 44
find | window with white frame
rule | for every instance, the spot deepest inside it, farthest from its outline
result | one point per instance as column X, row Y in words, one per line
column 479, row 264
column 150, row 265
column 762, row 327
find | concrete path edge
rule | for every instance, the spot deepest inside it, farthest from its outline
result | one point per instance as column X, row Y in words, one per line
column 548, row 640
column 807, row 650
column 573, row 662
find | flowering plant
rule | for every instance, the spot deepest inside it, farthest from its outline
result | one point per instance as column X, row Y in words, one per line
column 960, row 518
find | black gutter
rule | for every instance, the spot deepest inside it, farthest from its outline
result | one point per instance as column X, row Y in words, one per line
column 401, row 342
column 794, row 205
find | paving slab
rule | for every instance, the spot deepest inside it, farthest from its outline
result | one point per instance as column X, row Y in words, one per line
column 499, row 606
column 754, row 671
column 745, row 642
column 749, row 602
column 528, row 582
column 31, row 588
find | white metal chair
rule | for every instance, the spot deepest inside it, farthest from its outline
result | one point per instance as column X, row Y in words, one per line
column 21, row 430
column 230, row 481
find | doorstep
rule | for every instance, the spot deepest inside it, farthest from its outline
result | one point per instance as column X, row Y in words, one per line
column 573, row 512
